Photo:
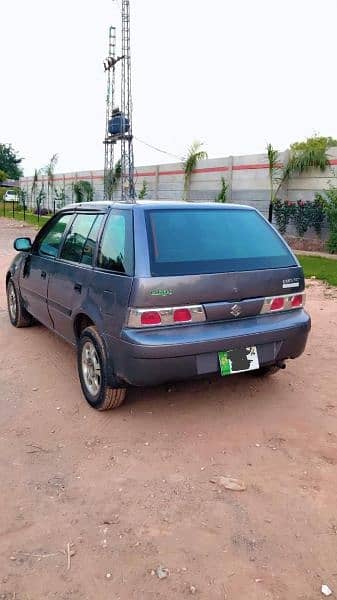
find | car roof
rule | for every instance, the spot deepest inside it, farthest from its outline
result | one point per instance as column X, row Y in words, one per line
column 157, row 204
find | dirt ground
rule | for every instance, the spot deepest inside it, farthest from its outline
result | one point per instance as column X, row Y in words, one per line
column 92, row 504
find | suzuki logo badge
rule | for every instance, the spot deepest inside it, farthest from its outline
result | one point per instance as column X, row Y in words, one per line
column 235, row 310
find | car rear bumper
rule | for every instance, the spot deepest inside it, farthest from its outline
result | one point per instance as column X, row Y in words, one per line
column 154, row 356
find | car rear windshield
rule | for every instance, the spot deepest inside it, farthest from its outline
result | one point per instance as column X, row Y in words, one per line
column 192, row 241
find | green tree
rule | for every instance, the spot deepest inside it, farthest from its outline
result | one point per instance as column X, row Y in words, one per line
column 143, row 192
column 33, row 189
column 310, row 154
column 274, row 177
column 49, row 170
column 3, row 176
column 222, row 196
column 313, row 153
column 83, row 191
column 40, row 198
column 22, row 198
column 60, row 196
column 329, row 201
column 315, row 141
column 111, row 180
column 10, row 162
column 194, row 154
column 117, row 174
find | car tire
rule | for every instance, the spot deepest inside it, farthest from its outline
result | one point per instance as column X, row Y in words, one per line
column 92, row 370
column 266, row 371
column 18, row 315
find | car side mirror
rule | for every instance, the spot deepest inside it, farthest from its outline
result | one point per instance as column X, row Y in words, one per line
column 23, row 244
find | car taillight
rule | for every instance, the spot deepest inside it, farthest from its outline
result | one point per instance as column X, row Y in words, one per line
column 277, row 304
column 297, row 301
column 182, row 314
column 151, row 317
column 143, row 317
column 281, row 303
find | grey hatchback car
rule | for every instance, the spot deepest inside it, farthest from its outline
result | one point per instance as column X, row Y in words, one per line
column 156, row 292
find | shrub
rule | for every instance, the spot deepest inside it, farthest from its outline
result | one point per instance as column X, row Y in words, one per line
column 330, row 207
column 143, row 192
column 283, row 211
column 42, row 211
column 222, row 196
column 83, row 190
column 3, row 176
column 301, row 217
column 303, row 214
column 317, row 214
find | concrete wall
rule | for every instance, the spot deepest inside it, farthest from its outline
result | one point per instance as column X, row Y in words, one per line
column 246, row 175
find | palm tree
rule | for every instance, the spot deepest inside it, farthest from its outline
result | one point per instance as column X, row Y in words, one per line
column 111, row 180
column 222, row 195
column 117, row 174
column 303, row 157
column 49, row 171
column 274, row 179
column 309, row 157
column 194, row 154
column 34, row 186
column 143, row 191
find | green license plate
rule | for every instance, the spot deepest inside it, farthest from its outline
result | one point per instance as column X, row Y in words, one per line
column 238, row 360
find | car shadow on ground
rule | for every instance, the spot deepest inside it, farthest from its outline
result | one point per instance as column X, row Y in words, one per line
column 197, row 396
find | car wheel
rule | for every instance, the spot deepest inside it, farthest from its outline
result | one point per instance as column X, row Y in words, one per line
column 266, row 371
column 92, row 369
column 18, row 315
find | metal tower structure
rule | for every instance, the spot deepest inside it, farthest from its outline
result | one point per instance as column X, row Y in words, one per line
column 127, row 158
column 109, row 67
column 119, row 121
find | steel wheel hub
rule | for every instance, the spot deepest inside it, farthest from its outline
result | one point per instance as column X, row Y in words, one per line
column 12, row 301
column 91, row 368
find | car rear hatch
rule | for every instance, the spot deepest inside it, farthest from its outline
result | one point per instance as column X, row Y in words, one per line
column 228, row 260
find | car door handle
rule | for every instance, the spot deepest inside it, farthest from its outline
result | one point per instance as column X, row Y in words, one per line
column 43, row 274
column 78, row 287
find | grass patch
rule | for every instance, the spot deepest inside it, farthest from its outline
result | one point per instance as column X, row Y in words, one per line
column 30, row 218
column 322, row 268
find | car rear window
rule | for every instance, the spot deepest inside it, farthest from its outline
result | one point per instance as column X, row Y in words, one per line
column 192, row 241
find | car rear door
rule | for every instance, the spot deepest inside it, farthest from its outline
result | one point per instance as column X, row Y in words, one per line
column 71, row 278
column 228, row 259
column 38, row 265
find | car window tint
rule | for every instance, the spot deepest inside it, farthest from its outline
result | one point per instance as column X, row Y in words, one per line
column 77, row 236
column 50, row 242
column 211, row 240
column 116, row 248
column 89, row 246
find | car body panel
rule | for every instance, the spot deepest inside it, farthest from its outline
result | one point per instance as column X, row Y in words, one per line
column 69, row 285
column 215, row 287
column 209, row 337
column 164, row 355
column 34, row 279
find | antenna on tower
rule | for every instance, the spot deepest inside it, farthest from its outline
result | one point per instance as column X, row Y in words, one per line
column 118, row 125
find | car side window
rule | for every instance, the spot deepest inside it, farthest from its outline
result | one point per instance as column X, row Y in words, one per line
column 49, row 243
column 89, row 246
column 81, row 238
column 116, row 247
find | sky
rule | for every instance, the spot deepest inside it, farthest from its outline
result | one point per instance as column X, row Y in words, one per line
column 232, row 74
